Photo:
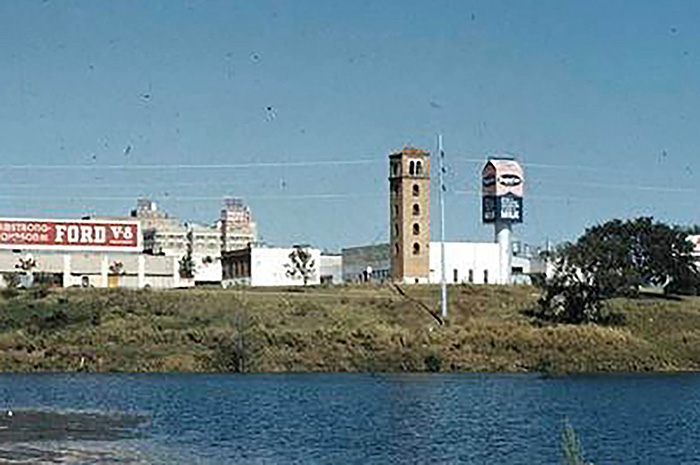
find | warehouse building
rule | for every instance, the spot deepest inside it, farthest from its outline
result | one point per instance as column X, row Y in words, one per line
column 92, row 252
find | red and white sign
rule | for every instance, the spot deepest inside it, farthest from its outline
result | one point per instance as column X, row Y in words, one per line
column 695, row 239
column 20, row 233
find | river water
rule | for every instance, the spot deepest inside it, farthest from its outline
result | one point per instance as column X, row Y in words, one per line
column 346, row 418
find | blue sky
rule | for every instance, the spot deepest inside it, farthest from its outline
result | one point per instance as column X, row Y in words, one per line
column 599, row 100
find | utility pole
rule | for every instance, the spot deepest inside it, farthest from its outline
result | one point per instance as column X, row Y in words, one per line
column 443, row 282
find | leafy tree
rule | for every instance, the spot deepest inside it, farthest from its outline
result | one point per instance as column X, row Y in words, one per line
column 117, row 268
column 301, row 264
column 27, row 266
column 615, row 259
column 187, row 266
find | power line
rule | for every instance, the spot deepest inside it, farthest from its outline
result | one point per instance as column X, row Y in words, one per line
column 198, row 166
column 202, row 198
column 542, row 165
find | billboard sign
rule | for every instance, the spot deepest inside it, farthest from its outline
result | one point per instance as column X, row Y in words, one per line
column 506, row 207
column 114, row 235
column 502, row 186
column 502, row 177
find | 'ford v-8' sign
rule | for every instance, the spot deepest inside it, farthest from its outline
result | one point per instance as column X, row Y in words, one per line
column 20, row 233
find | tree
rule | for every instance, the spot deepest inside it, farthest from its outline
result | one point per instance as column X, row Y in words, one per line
column 616, row 259
column 301, row 264
column 187, row 265
column 117, row 268
column 26, row 265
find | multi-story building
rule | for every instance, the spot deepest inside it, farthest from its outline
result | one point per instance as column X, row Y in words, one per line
column 165, row 235
column 236, row 225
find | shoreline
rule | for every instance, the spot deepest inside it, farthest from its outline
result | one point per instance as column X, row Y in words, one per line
column 363, row 329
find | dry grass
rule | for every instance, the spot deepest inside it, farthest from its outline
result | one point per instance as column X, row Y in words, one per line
column 353, row 328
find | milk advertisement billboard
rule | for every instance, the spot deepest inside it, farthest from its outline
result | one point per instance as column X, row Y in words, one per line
column 502, row 186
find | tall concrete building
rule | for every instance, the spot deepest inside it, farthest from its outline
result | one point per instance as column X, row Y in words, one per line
column 238, row 230
column 409, row 203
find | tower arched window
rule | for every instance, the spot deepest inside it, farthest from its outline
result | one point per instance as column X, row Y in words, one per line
column 419, row 168
column 416, row 229
column 396, row 169
column 416, row 190
column 396, row 249
column 416, row 248
column 416, row 209
column 412, row 168
column 396, row 229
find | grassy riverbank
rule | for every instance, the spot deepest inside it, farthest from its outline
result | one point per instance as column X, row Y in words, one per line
column 332, row 329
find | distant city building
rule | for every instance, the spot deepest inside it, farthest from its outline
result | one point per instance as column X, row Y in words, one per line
column 165, row 235
column 238, row 230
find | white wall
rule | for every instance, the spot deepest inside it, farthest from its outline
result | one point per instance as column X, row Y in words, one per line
column 268, row 267
column 209, row 272
column 465, row 256
column 332, row 265
column 139, row 270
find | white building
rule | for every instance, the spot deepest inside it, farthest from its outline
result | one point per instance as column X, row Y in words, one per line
column 331, row 269
column 465, row 262
column 94, row 269
column 261, row 266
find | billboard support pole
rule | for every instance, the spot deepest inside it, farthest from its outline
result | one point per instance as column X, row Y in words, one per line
column 443, row 282
column 503, row 231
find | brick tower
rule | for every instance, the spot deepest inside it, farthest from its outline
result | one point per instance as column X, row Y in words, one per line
column 409, row 203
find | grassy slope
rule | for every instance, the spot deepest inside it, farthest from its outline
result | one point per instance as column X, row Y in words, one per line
column 336, row 329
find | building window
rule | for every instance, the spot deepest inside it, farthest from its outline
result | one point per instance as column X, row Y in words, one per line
column 471, row 276
column 396, row 210
column 396, row 249
column 419, row 168
column 416, row 190
column 486, row 276
column 416, row 209
column 416, row 248
column 396, row 229
column 455, row 275
column 416, row 229
column 412, row 168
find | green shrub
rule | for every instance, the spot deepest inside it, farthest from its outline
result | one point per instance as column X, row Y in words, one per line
column 433, row 362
